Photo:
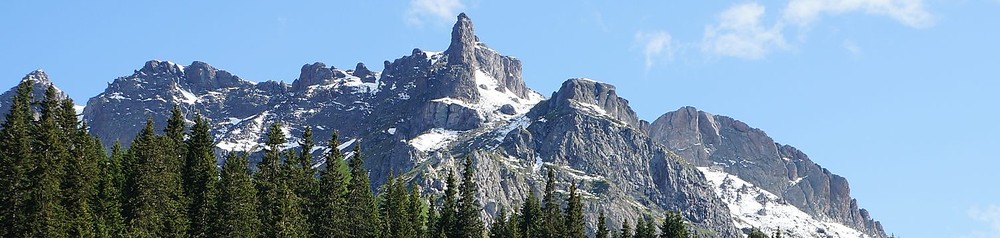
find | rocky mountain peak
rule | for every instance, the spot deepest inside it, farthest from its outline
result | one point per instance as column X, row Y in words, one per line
column 594, row 98
column 155, row 67
column 202, row 76
column 462, row 50
column 39, row 76
column 312, row 74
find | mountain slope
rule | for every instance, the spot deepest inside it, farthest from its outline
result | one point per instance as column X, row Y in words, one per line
column 426, row 110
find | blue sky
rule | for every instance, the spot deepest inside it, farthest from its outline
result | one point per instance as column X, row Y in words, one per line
column 899, row 96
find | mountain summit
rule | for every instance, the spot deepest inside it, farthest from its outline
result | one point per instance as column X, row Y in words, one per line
column 425, row 109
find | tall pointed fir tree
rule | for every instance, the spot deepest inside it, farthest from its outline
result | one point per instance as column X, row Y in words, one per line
column 552, row 212
column 531, row 218
column 280, row 209
column 80, row 184
column 626, row 231
column 158, row 208
column 108, row 206
column 237, row 204
column 433, row 216
column 416, row 207
column 644, row 229
column 46, row 213
column 330, row 201
column 673, row 226
column 362, row 212
column 15, row 162
column 302, row 177
column 468, row 206
column 602, row 226
column 448, row 219
column 394, row 210
column 574, row 214
column 200, row 178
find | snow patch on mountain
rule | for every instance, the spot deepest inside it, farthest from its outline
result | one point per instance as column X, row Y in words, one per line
column 433, row 139
column 752, row 206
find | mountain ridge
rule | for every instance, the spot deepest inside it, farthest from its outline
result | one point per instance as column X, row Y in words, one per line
column 425, row 109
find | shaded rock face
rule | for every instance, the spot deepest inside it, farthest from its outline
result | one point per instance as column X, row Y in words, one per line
column 595, row 97
column 709, row 140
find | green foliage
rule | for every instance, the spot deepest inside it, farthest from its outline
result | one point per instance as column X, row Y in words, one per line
column 362, row 213
column 237, row 204
column 553, row 225
column 673, row 226
column 200, row 178
column 330, row 201
column 394, row 209
column 15, row 162
column 602, row 226
column 756, row 233
column 530, row 222
column 469, row 224
column 157, row 205
column 626, row 231
column 108, row 207
column 574, row 214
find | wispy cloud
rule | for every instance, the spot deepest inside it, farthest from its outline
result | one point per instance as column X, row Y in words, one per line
column 741, row 33
column 655, row 46
column 853, row 48
column 422, row 12
column 990, row 216
column 909, row 12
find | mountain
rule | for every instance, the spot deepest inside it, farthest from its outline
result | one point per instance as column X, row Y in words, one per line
column 427, row 110
column 40, row 82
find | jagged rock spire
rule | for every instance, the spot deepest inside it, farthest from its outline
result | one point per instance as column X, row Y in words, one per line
column 462, row 50
column 38, row 76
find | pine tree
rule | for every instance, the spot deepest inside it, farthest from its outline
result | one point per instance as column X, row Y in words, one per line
column 448, row 220
column 531, row 218
column 553, row 226
column 499, row 227
column 267, row 181
column 756, row 233
column 330, row 202
column 157, row 205
column 395, row 211
column 602, row 226
column 642, row 230
column 574, row 214
column 626, row 231
column 434, row 229
column 362, row 212
column 80, row 184
column 288, row 214
column 108, row 207
column 415, row 208
column 469, row 223
column 200, row 178
column 46, row 214
column 302, row 177
column 237, row 204
column 15, row 162
column 673, row 226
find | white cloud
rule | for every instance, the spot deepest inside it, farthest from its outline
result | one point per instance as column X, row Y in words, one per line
column 852, row 48
column 909, row 12
column 741, row 33
column 655, row 45
column 990, row 216
column 439, row 11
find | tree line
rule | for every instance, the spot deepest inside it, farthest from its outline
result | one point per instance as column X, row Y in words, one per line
column 58, row 181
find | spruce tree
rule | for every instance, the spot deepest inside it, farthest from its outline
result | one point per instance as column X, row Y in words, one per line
column 200, row 178
column 330, row 201
column 156, row 208
column 46, row 214
column 673, row 226
column 394, row 209
column 301, row 175
column 415, row 208
column 448, row 220
column 267, row 181
column 433, row 221
column 626, row 231
column 574, row 214
column 237, row 204
column 362, row 213
column 499, row 229
column 288, row 214
column 80, row 184
column 15, row 162
column 602, row 226
column 468, row 211
column 108, row 207
column 756, row 233
column 531, row 218
column 552, row 212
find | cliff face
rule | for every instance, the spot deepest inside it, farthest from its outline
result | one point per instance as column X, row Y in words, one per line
column 717, row 141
